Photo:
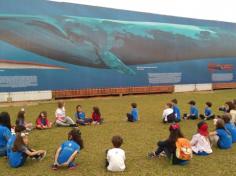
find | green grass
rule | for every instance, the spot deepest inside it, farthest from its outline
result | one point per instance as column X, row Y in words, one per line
column 139, row 138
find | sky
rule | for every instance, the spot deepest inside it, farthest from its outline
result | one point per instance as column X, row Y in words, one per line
column 220, row 10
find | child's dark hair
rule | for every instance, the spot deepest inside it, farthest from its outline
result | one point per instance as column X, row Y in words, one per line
column 226, row 118
column 19, row 128
column 220, row 124
column 134, row 105
column 231, row 105
column 175, row 101
column 192, row 102
column 75, row 135
column 96, row 110
column 20, row 116
column 209, row 104
column 60, row 104
column 5, row 120
column 78, row 106
column 169, row 105
column 18, row 143
column 200, row 124
column 117, row 141
column 44, row 113
column 175, row 133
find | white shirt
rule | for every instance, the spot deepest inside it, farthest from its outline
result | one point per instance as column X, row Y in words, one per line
column 233, row 115
column 201, row 143
column 167, row 112
column 60, row 114
column 116, row 159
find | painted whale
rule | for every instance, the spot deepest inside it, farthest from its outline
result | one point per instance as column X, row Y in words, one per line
column 114, row 44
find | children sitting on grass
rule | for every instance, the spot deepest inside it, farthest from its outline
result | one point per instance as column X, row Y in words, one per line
column 229, row 126
column 21, row 120
column 21, row 151
column 115, row 159
column 5, row 133
column 81, row 118
column 66, row 153
column 208, row 114
column 168, row 115
column 133, row 115
column 176, row 110
column 96, row 116
column 171, row 147
column 61, row 119
column 42, row 121
column 193, row 111
column 10, row 142
column 200, row 142
column 221, row 137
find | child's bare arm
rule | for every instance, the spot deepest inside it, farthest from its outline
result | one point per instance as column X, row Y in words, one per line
column 72, row 157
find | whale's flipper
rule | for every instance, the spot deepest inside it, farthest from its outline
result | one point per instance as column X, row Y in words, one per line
column 112, row 61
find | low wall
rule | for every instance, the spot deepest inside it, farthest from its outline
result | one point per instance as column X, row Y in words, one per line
column 58, row 94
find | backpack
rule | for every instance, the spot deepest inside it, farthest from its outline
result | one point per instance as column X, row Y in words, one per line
column 183, row 149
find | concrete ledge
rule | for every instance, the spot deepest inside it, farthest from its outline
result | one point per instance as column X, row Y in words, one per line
column 26, row 96
column 185, row 88
column 203, row 87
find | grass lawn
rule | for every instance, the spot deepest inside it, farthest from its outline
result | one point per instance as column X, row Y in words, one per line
column 139, row 138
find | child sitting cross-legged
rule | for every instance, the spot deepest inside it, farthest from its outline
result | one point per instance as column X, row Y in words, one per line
column 42, row 121
column 133, row 116
column 67, row 152
column 115, row 160
column 81, row 118
column 200, row 142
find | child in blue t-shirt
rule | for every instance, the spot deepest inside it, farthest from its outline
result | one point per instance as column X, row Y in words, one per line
column 80, row 117
column 193, row 111
column 21, row 151
column 229, row 126
column 133, row 116
column 5, row 133
column 176, row 110
column 221, row 137
column 208, row 114
column 66, row 153
column 10, row 143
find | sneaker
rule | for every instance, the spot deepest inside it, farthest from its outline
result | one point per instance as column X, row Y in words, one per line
column 72, row 166
column 162, row 154
column 54, row 167
column 73, row 125
column 151, row 155
column 42, row 156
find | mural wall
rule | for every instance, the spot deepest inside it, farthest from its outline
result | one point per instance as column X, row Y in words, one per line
column 48, row 45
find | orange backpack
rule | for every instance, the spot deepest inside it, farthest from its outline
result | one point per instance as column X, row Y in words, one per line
column 183, row 149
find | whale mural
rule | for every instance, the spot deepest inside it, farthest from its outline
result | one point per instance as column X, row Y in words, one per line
column 47, row 45
column 112, row 43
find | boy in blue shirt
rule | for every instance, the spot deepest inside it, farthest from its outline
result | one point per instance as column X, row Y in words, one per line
column 67, row 152
column 80, row 117
column 208, row 114
column 133, row 116
column 221, row 137
column 176, row 110
column 229, row 126
column 193, row 111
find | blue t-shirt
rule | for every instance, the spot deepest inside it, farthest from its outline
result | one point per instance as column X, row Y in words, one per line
column 80, row 115
column 5, row 134
column 208, row 111
column 10, row 144
column 194, row 111
column 134, row 113
column 67, row 149
column 232, row 129
column 17, row 159
column 177, row 112
column 225, row 139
